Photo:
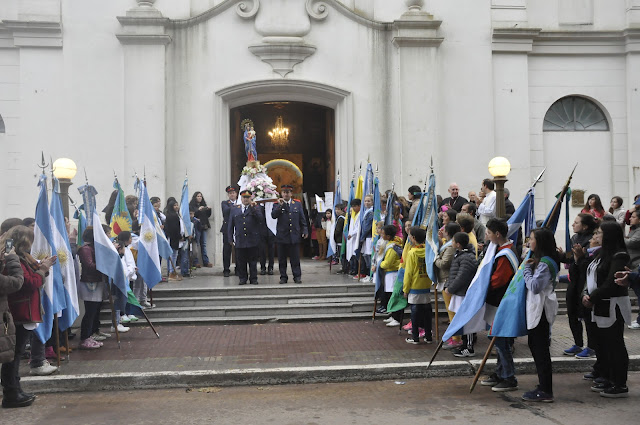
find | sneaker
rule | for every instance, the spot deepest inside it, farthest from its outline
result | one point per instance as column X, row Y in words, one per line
column 104, row 334
column 421, row 333
column 388, row 319
column 463, row 352
column 412, row 341
column 490, row 380
column 572, row 351
column 636, row 326
column 407, row 326
column 98, row 343
column 590, row 376
column 537, row 395
column 88, row 344
column 44, row 370
column 509, row 384
column 132, row 318
column 121, row 328
column 598, row 387
column 366, row 279
column 615, row 392
column 452, row 344
column 124, row 319
column 587, row 353
column 315, row 258
column 428, row 340
column 98, row 337
column 393, row 323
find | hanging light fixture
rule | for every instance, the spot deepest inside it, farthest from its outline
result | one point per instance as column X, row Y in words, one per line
column 280, row 134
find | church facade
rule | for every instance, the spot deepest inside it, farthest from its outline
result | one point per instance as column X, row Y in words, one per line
column 157, row 88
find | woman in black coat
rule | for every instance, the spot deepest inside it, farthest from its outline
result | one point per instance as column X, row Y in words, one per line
column 202, row 212
column 174, row 229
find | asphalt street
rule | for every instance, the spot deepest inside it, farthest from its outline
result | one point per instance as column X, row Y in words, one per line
column 420, row 401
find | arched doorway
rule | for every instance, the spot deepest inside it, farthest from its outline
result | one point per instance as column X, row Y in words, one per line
column 309, row 145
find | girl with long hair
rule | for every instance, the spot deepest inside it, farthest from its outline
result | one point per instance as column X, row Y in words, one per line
column 611, row 309
column 594, row 207
column 540, row 273
column 202, row 212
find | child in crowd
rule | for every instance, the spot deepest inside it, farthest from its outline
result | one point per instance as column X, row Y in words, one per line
column 129, row 265
column 540, row 273
column 337, row 238
column 443, row 264
column 378, row 253
column 417, row 286
column 386, row 269
column 463, row 269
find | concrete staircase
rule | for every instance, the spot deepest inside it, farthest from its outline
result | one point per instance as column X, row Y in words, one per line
column 214, row 301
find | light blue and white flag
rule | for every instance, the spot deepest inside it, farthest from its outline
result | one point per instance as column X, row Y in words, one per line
column 523, row 216
column 52, row 294
column 184, row 207
column 164, row 248
column 88, row 193
column 432, row 244
column 65, row 260
column 107, row 258
column 148, row 256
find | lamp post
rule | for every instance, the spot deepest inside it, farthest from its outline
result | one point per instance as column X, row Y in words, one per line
column 499, row 168
column 64, row 169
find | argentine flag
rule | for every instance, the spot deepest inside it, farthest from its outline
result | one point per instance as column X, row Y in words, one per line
column 52, row 295
column 107, row 258
column 164, row 249
column 337, row 199
column 184, row 208
column 65, row 260
column 148, row 256
column 432, row 244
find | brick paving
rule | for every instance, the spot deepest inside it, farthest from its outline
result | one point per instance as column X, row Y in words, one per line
column 192, row 348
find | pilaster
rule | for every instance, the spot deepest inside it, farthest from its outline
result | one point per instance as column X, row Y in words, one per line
column 144, row 39
column 416, row 37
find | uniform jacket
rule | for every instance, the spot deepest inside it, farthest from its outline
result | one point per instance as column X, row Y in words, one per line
column 501, row 275
column 367, row 224
column 11, row 280
column 246, row 226
column 416, row 279
column 292, row 223
column 25, row 303
column 226, row 210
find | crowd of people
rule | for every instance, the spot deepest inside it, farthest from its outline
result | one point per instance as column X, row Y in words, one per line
column 602, row 264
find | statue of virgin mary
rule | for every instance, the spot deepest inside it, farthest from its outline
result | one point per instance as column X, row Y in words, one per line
column 249, row 141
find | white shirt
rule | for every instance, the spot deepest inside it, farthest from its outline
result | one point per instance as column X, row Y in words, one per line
column 129, row 264
column 487, row 209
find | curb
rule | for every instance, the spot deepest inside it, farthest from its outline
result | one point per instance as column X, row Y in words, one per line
column 287, row 375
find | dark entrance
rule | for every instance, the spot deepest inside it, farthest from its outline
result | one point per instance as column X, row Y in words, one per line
column 311, row 140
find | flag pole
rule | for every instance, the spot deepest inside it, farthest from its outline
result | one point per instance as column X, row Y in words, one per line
column 149, row 322
column 113, row 315
column 66, row 342
column 435, row 353
column 556, row 206
column 57, row 331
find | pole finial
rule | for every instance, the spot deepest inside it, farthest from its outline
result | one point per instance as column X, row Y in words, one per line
column 43, row 165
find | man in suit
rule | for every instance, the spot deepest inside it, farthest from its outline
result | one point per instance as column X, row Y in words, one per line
column 227, row 247
column 245, row 221
column 292, row 225
column 267, row 246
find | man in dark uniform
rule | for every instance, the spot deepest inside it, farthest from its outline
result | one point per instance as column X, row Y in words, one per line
column 291, row 226
column 226, row 243
column 245, row 221
column 267, row 246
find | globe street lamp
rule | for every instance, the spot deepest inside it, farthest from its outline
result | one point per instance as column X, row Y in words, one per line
column 499, row 168
column 64, row 169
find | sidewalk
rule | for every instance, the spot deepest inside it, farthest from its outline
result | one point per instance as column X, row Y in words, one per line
column 280, row 353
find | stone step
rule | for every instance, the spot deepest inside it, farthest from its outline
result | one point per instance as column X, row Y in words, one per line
column 261, row 299
column 166, row 290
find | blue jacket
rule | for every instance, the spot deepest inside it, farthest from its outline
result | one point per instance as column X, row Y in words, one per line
column 367, row 224
column 246, row 226
column 292, row 223
column 226, row 209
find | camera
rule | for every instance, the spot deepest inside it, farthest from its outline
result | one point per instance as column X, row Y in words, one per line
column 8, row 246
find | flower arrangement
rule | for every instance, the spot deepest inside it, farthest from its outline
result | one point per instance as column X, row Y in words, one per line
column 262, row 188
column 253, row 171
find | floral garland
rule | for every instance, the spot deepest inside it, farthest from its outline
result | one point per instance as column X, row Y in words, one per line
column 261, row 188
column 252, row 171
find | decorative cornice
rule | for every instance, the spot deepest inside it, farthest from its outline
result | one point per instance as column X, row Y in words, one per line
column 32, row 33
column 317, row 9
column 282, row 56
column 241, row 9
column 535, row 41
column 144, row 39
column 416, row 29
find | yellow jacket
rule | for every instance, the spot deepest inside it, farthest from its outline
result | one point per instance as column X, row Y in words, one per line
column 391, row 261
column 416, row 280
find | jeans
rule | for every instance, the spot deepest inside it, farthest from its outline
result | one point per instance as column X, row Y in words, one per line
column 173, row 262
column 37, row 351
column 11, row 370
column 505, row 367
column 420, row 318
column 184, row 260
column 202, row 240
column 91, row 311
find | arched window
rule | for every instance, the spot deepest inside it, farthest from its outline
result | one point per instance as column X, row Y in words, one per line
column 1, row 125
column 574, row 113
